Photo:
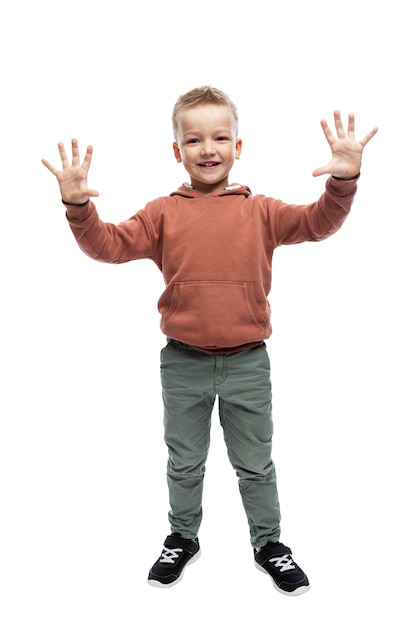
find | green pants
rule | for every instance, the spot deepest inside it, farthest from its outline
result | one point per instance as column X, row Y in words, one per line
column 191, row 380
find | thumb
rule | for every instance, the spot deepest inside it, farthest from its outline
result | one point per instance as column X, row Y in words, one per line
column 92, row 193
column 321, row 170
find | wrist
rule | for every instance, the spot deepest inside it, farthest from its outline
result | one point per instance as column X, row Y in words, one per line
column 350, row 178
column 72, row 203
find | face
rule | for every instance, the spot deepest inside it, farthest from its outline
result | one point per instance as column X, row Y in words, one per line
column 207, row 145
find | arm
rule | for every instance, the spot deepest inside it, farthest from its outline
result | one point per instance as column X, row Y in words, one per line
column 133, row 239
column 319, row 220
column 296, row 223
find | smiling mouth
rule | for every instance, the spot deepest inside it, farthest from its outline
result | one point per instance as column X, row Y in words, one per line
column 209, row 164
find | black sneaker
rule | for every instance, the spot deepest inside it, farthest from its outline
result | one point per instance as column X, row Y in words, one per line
column 275, row 559
column 177, row 553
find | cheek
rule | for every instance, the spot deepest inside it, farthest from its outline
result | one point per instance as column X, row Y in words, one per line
column 231, row 155
column 189, row 155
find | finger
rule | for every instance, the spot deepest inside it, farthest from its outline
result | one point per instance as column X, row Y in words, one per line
column 339, row 125
column 327, row 132
column 50, row 167
column 325, row 169
column 369, row 136
column 63, row 155
column 351, row 125
column 75, row 151
column 87, row 158
column 92, row 193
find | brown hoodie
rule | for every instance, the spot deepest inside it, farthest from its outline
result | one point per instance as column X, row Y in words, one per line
column 215, row 253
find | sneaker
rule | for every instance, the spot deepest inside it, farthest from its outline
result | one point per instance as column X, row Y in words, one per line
column 275, row 559
column 177, row 553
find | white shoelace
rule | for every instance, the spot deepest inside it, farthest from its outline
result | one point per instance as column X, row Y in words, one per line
column 169, row 556
column 284, row 562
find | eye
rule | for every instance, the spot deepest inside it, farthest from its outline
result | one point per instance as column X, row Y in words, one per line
column 192, row 140
column 222, row 138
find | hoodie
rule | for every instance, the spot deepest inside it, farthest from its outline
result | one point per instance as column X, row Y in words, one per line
column 215, row 253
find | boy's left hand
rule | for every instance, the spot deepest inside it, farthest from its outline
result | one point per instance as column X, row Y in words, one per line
column 346, row 149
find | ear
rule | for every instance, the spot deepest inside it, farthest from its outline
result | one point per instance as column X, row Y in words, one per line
column 177, row 153
column 238, row 148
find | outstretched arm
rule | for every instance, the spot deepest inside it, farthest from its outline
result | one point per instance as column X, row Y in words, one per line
column 346, row 149
column 72, row 178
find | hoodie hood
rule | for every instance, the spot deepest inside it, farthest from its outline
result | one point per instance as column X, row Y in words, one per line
column 187, row 191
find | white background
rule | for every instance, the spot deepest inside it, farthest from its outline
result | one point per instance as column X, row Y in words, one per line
column 82, row 460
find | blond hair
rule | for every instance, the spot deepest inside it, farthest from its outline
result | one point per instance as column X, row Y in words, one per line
column 202, row 95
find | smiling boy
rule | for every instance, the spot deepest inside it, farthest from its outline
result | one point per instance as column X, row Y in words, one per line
column 214, row 244
column 207, row 145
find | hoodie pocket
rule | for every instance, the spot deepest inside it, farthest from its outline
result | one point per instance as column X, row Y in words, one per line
column 215, row 314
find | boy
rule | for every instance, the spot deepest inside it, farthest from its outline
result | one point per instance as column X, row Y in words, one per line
column 213, row 242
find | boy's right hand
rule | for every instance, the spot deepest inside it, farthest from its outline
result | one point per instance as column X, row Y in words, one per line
column 72, row 178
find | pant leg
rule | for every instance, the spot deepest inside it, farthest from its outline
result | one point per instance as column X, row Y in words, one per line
column 188, row 397
column 245, row 409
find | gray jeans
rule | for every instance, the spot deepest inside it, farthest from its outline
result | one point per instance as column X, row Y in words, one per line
column 191, row 380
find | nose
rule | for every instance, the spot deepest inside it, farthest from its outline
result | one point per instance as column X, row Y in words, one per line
column 207, row 147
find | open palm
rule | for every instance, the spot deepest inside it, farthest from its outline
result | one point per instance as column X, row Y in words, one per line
column 345, row 148
column 72, row 179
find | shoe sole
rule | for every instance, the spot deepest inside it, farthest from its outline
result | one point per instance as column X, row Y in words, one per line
column 157, row 583
column 296, row 592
